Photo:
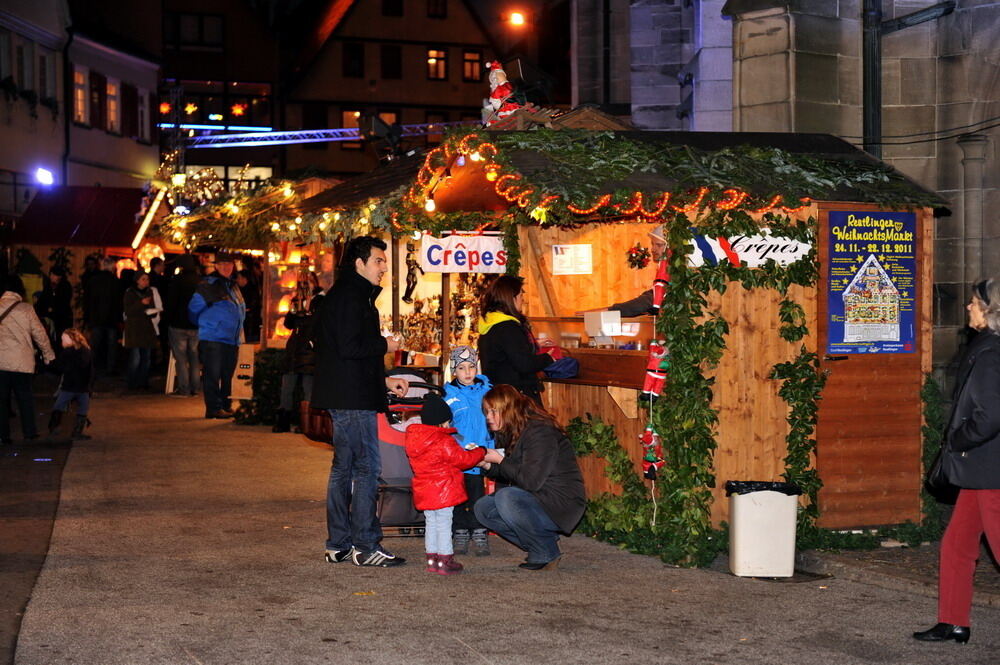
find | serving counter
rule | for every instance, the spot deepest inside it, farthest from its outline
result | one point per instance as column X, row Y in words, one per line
column 608, row 386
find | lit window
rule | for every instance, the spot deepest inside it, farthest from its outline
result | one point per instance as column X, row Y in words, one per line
column 350, row 119
column 80, row 85
column 437, row 64
column 114, row 118
column 472, row 66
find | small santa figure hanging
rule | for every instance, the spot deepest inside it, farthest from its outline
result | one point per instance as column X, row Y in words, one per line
column 656, row 369
column 652, row 453
column 500, row 103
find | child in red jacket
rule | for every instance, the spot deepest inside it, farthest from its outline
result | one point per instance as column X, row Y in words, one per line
column 438, row 486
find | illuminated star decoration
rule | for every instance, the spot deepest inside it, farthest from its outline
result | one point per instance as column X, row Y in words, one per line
column 190, row 108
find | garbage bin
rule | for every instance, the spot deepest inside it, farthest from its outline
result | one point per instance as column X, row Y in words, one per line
column 762, row 517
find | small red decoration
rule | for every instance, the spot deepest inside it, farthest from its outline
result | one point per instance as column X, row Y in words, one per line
column 638, row 257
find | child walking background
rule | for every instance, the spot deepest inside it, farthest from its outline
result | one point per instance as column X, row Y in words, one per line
column 437, row 463
column 76, row 365
column 464, row 395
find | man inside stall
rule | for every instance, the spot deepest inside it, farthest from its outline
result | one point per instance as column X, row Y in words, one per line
column 643, row 303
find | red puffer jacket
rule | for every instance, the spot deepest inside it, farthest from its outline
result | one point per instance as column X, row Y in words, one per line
column 438, row 462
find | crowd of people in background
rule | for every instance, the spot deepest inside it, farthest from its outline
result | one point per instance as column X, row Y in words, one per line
column 78, row 331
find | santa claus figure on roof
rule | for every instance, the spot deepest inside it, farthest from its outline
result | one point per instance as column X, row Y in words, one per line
column 500, row 103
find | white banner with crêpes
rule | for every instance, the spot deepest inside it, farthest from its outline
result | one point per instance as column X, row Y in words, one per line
column 752, row 251
column 458, row 253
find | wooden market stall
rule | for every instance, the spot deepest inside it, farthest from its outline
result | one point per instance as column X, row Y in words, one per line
column 868, row 451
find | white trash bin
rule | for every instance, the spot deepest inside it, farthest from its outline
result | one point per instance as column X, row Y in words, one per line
column 762, row 518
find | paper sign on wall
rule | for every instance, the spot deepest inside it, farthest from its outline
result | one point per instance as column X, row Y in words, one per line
column 483, row 254
column 572, row 259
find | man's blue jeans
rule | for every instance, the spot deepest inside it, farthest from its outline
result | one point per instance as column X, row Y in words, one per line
column 353, row 486
column 218, row 362
column 516, row 515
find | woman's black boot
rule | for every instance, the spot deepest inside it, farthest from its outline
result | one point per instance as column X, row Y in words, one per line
column 55, row 418
column 944, row 632
column 283, row 422
column 82, row 422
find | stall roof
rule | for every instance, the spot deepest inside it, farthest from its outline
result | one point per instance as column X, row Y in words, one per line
column 81, row 216
column 375, row 184
column 825, row 146
column 534, row 163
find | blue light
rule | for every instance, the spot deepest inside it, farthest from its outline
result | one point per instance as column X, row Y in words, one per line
column 44, row 176
column 247, row 128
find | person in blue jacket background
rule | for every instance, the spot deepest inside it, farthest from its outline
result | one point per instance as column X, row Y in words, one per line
column 217, row 308
column 464, row 395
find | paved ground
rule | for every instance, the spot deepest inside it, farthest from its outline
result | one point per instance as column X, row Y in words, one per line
column 183, row 540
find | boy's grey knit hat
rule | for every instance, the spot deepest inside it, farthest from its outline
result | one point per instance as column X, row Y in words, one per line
column 463, row 354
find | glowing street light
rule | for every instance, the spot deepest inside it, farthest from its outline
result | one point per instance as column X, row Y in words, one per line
column 517, row 19
column 44, row 176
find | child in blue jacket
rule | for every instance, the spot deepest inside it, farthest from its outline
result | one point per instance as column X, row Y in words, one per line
column 464, row 395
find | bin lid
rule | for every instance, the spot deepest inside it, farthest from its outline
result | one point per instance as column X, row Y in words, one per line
column 748, row 486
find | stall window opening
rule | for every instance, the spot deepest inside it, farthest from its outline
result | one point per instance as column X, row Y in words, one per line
column 437, row 64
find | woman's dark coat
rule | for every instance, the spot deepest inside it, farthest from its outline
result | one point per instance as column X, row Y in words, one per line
column 509, row 356
column 543, row 462
column 139, row 330
column 973, row 436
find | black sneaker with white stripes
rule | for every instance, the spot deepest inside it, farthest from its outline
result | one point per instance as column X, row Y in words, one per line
column 339, row 556
column 378, row 557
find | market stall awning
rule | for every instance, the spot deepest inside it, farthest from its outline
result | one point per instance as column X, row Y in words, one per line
column 82, row 216
column 374, row 184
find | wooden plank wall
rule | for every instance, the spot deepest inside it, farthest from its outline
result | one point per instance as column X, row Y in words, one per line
column 869, row 439
column 612, row 280
column 567, row 401
column 752, row 416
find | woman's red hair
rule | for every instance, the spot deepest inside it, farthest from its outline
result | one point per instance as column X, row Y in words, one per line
column 515, row 410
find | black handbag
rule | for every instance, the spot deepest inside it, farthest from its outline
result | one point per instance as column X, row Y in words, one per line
column 936, row 481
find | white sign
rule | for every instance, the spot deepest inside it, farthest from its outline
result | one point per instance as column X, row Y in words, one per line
column 572, row 259
column 753, row 251
column 463, row 254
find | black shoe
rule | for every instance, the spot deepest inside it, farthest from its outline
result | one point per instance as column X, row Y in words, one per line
column 546, row 565
column 339, row 556
column 283, row 421
column 944, row 632
column 220, row 415
column 378, row 557
column 82, row 423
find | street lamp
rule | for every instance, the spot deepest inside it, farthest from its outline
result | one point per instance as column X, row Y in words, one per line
column 517, row 19
column 44, row 176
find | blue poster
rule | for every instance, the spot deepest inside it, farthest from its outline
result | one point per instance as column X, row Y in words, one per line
column 872, row 296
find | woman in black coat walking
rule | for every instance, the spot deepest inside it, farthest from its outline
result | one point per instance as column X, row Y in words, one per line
column 971, row 456
column 507, row 349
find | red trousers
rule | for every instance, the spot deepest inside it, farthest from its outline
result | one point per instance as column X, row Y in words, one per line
column 976, row 512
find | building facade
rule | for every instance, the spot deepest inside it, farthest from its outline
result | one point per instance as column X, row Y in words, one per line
column 407, row 62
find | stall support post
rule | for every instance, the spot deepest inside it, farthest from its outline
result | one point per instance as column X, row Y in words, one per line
column 445, row 321
column 394, row 271
column 265, row 296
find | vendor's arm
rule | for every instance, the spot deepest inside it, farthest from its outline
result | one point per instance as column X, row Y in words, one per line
column 642, row 304
column 397, row 386
column 983, row 387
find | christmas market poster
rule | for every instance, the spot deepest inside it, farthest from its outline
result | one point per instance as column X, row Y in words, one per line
column 872, row 282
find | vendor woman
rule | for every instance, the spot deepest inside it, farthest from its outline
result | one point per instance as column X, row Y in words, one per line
column 643, row 303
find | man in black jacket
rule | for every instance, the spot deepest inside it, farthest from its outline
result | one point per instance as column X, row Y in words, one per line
column 351, row 384
column 102, row 297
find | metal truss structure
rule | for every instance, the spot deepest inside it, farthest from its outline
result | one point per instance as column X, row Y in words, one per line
column 310, row 135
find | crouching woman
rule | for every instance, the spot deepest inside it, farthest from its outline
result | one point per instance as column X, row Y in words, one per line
column 540, row 489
